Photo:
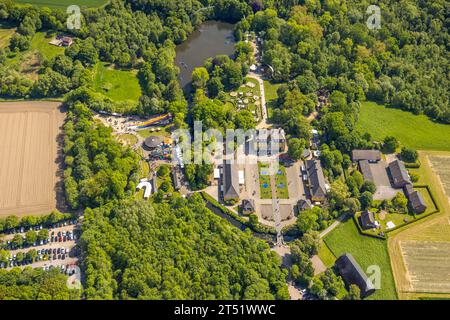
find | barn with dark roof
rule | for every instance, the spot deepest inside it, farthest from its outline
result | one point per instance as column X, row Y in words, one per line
column 352, row 273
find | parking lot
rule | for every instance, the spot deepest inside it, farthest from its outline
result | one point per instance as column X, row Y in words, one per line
column 58, row 250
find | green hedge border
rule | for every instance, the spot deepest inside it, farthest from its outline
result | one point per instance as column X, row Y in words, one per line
column 417, row 217
column 362, row 232
column 420, row 216
column 413, row 165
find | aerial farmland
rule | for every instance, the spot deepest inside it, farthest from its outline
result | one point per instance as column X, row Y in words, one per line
column 28, row 153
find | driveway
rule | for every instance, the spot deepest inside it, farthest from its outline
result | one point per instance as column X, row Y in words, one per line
column 381, row 180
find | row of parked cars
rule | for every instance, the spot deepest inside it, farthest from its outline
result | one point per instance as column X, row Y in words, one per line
column 43, row 254
column 62, row 236
column 68, row 269
column 40, row 227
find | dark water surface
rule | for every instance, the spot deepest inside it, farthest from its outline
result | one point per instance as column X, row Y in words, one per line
column 210, row 39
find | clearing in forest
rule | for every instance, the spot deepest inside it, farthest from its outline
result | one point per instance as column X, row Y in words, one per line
column 28, row 157
column 414, row 131
column 119, row 85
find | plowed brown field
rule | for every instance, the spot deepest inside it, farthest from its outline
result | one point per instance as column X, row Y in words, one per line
column 28, row 156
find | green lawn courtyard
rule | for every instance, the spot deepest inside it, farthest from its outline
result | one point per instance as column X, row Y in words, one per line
column 264, row 182
column 280, row 182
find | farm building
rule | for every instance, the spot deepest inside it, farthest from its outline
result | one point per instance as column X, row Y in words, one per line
column 367, row 220
column 316, row 180
column 248, row 206
column 230, row 181
column 366, row 170
column 415, row 198
column 399, row 174
column 62, row 41
column 369, row 155
column 352, row 273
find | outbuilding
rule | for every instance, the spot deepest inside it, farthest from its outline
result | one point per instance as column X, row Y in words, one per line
column 352, row 273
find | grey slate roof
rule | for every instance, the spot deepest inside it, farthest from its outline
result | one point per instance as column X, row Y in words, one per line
column 417, row 202
column 415, row 198
column 230, row 181
column 367, row 219
column 399, row 173
column 370, row 155
column 352, row 273
column 364, row 167
column 316, row 179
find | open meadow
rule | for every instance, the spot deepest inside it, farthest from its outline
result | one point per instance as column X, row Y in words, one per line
column 367, row 251
column 28, row 157
column 5, row 35
column 415, row 131
column 119, row 85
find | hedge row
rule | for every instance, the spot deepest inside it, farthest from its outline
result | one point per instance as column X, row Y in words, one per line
column 364, row 233
column 13, row 222
column 422, row 215
column 413, row 165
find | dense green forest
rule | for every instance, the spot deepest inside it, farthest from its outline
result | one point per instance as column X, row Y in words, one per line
column 35, row 284
column 175, row 250
column 98, row 168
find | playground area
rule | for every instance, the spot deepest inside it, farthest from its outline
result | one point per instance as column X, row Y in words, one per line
column 247, row 97
column 29, row 133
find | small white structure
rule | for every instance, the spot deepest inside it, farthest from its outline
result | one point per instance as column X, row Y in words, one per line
column 147, row 186
column 241, row 177
column 217, row 173
column 390, row 225
column 253, row 67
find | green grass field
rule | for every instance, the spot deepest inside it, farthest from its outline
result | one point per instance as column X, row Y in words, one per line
column 5, row 35
column 367, row 251
column 62, row 4
column 270, row 91
column 326, row 255
column 415, row 131
column 119, row 85
column 41, row 44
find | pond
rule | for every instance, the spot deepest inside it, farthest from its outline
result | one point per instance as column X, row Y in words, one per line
column 209, row 40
